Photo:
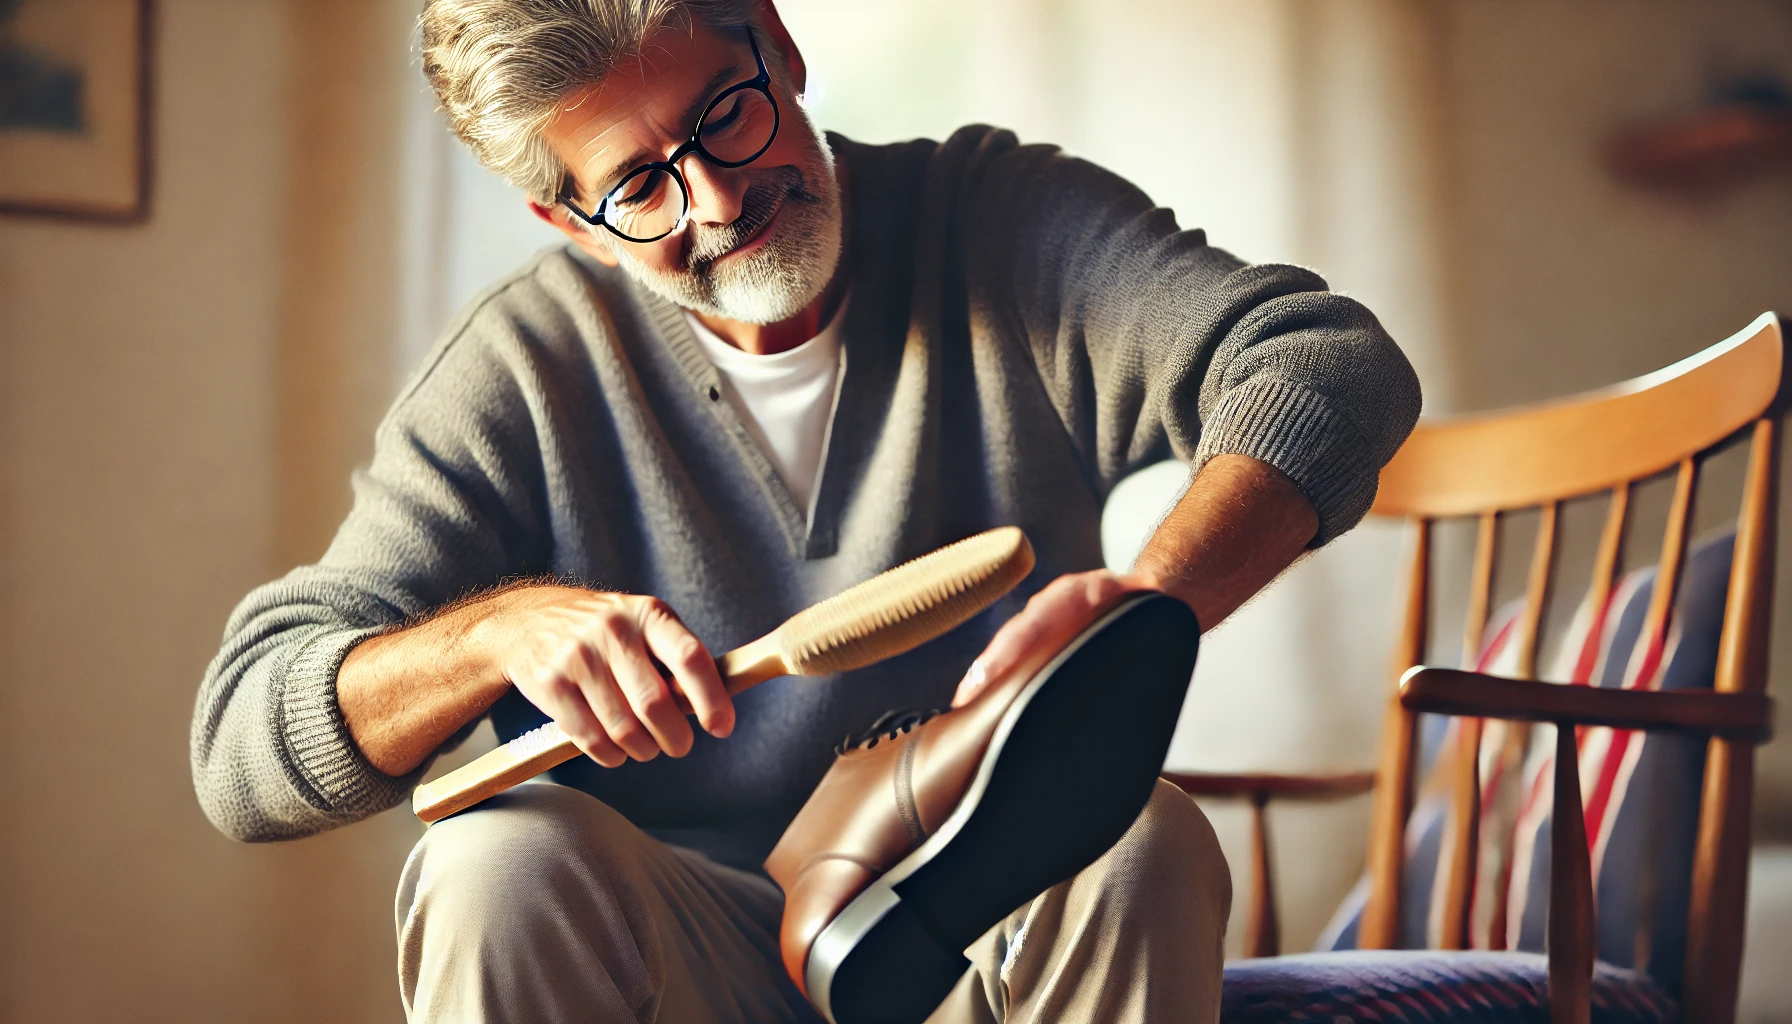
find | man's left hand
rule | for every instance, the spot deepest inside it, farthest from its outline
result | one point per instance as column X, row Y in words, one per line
column 1053, row 618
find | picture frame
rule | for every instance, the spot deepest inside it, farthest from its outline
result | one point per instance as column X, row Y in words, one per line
column 75, row 101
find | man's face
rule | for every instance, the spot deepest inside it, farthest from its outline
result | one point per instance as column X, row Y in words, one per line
column 761, row 241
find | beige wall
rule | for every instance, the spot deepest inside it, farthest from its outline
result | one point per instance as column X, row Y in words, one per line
column 178, row 402
column 1570, row 280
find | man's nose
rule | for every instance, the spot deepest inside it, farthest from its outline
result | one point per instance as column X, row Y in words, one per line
column 716, row 192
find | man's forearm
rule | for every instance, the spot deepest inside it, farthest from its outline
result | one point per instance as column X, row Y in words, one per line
column 405, row 693
column 1239, row 525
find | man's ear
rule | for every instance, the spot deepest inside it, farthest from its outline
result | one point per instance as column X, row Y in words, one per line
column 793, row 57
column 563, row 223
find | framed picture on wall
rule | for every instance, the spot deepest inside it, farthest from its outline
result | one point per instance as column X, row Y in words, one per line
column 74, row 108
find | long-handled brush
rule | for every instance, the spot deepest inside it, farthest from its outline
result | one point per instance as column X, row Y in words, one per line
column 884, row 616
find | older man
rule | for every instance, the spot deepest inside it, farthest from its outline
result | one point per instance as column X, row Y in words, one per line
column 770, row 364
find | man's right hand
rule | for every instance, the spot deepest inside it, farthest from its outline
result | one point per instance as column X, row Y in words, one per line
column 618, row 672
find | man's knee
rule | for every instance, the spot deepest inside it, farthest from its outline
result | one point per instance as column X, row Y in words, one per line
column 1088, row 949
column 1171, row 852
column 541, row 874
column 519, row 846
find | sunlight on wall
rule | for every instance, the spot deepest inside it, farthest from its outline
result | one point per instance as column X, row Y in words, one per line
column 1152, row 107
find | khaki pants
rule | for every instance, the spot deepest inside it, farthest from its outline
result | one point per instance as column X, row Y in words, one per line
column 544, row 905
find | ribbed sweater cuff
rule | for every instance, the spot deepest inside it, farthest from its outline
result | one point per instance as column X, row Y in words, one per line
column 1295, row 429
column 316, row 737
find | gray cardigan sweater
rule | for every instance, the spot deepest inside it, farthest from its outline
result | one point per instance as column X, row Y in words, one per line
column 1025, row 329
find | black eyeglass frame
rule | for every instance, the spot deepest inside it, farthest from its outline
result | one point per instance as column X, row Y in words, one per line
column 761, row 83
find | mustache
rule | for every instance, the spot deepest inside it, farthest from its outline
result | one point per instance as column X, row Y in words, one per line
column 758, row 205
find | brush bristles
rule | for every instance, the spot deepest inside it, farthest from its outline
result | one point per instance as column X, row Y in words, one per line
column 907, row 606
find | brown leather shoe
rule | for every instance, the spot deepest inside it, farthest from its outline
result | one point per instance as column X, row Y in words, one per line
column 929, row 831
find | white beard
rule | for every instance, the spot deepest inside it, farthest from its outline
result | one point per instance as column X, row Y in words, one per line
column 788, row 272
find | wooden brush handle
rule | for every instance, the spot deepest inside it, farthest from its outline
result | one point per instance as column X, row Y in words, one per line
column 544, row 747
column 752, row 664
column 494, row 772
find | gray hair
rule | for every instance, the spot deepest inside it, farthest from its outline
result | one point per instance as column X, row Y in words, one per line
column 500, row 68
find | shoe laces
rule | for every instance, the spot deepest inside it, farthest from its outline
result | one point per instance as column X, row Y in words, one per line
column 888, row 726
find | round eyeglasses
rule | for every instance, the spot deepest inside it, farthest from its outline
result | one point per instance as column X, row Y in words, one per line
column 652, row 201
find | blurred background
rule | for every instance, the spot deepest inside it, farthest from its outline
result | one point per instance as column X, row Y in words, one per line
column 183, row 396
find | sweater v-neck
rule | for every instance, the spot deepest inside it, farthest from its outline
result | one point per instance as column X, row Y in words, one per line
column 811, row 532
column 785, row 399
column 871, row 329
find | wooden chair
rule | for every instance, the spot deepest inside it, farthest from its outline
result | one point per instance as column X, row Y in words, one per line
column 1539, row 456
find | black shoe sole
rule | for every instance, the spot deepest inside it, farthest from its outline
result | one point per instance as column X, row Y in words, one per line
column 1067, row 772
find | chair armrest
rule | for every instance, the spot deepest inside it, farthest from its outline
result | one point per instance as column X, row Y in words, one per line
column 1448, row 691
column 1265, row 786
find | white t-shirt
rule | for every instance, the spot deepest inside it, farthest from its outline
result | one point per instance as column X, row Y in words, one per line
column 786, row 400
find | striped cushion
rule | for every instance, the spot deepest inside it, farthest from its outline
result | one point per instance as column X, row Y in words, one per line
column 1417, row 987
column 1641, row 792
column 1421, row 882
